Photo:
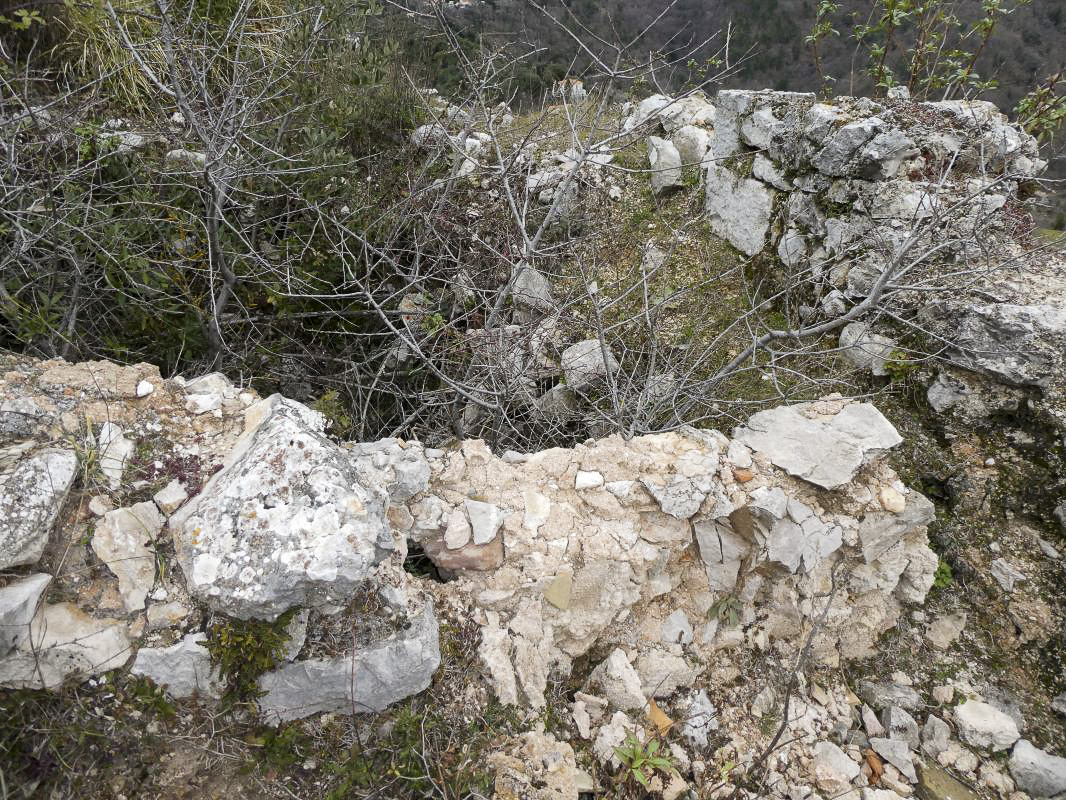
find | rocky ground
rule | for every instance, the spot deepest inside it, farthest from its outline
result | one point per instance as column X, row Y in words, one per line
column 204, row 594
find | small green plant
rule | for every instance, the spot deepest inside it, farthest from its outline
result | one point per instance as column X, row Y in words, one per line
column 823, row 29
column 943, row 577
column 151, row 698
column 725, row 769
column 245, row 649
column 899, row 367
column 726, row 610
column 341, row 422
column 1043, row 110
column 284, row 748
column 641, row 760
column 22, row 19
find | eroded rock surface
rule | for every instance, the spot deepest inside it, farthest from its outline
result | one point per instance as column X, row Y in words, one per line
column 33, row 486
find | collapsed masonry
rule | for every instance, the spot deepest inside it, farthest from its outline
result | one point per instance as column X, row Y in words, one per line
column 643, row 562
column 624, row 544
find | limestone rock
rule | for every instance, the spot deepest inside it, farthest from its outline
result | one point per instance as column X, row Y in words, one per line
column 665, row 164
column 882, row 695
column 985, row 726
column 288, row 521
column 587, row 480
column 612, row 735
column 619, row 682
column 18, row 605
column 900, row 725
column 480, row 558
column 584, row 364
column 100, row 504
column 870, row 721
column 1006, row 574
column 647, row 109
column 865, row 349
column 400, row 466
column 115, row 451
column 63, row 642
column 33, row 488
column 700, row 720
column 897, row 753
column 558, row 403
column 738, row 209
column 826, row 450
column 171, row 497
column 457, row 534
column 121, row 541
column 170, row 614
column 692, row 144
column 185, row 160
column 485, row 520
column 533, row 290
column 722, row 550
column 936, row 735
column 369, row 679
column 880, row 531
column 831, row 769
column 183, row 669
column 677, row 629
column 943, row 631
column 1038, row 773
column 662, row 673
column 1017, row 344
column 834, row 157
column 535, row 766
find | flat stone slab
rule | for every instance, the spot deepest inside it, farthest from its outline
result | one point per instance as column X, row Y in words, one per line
column 369, row 679
column 183, row 669
column 65, row 642
column 824, row 449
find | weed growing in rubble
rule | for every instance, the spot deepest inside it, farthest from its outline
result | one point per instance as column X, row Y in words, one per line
column 726, row 610
column 245, row 649
column 942, row 578
column 642, row 760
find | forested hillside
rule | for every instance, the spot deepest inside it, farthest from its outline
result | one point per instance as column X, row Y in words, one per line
column 1005, row 48
column 768, row 37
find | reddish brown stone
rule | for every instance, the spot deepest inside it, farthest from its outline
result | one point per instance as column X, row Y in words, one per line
column 479, row 557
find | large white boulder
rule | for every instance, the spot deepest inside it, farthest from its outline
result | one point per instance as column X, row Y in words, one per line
column 665, row 164
column 63, row 641
column 692, row 144
column 289, row 520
